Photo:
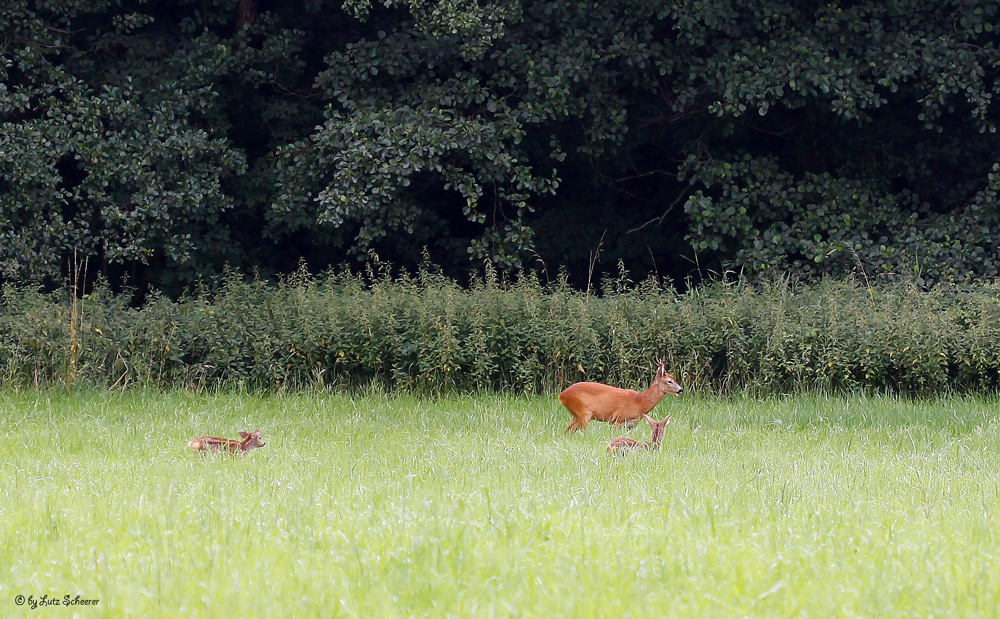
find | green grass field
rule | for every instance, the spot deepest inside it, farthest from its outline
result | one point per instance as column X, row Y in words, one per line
column 379, row 506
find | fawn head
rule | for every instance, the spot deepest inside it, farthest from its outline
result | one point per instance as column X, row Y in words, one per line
column 657, row 427
column 254, row 439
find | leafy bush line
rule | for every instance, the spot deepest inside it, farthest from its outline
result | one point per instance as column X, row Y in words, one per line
column 428, row 334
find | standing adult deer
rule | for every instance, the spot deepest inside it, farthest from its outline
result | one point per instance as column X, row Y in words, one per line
column 624, row 444
column 251, row 440
column 588, row 401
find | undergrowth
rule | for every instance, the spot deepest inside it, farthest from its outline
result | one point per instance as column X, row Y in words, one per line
column 427, row 334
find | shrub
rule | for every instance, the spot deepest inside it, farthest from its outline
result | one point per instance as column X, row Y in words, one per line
column 426, row 333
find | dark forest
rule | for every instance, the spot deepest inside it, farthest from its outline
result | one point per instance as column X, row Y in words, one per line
column 163, row 143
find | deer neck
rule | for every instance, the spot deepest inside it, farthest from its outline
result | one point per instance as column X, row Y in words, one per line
column 649, row 398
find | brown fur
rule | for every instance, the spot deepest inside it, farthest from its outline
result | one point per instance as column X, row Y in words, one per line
column 623, row 444
column 589, row 401
column 204, row 444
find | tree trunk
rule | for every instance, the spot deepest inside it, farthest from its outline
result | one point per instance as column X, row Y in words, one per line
column 247, row 13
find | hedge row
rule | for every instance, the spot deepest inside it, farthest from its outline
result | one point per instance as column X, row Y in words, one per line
column 427, row 333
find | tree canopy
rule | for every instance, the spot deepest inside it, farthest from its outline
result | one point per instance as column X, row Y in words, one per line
column 167, row 140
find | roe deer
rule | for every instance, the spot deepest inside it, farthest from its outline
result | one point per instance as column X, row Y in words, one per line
column 588, row 401
column 623, row 444
column 251, row 440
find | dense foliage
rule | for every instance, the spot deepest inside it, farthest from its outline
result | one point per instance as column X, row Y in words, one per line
column 165, row 140
column 426, row 333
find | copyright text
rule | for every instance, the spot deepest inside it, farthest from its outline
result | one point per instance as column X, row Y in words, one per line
column 54, row 600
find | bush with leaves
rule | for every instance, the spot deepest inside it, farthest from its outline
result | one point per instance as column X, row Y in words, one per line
column 427, row 334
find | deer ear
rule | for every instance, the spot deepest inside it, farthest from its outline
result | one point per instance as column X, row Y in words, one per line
column 243, row 434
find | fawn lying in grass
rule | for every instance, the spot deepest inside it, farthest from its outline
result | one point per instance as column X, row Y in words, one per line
column 204, row 444
column 623, row 444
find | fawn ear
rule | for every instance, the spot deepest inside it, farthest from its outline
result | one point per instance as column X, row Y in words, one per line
column 243, row 434
column 648, row 418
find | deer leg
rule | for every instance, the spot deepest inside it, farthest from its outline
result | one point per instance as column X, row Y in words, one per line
column 618, row 420
column 579, row 422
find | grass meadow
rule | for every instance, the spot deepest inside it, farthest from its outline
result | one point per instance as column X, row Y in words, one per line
column 395, row 506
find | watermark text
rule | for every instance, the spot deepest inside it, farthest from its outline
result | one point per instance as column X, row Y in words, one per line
column 54, row 601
